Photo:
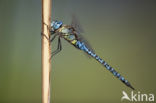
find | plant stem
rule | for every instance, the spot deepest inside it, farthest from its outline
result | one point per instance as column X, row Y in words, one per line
column 46, row 51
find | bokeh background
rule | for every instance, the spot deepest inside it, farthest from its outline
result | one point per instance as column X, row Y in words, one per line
column 122, row 32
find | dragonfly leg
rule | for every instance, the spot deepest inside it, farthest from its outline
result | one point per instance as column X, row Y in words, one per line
column 51, row 40
column 49, row 28
column 59, row 48
column 42, row 34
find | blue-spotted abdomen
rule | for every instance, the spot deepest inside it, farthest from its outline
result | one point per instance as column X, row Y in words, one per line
column 82, row 46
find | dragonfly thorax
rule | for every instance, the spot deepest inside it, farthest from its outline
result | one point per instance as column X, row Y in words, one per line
column 66, row 31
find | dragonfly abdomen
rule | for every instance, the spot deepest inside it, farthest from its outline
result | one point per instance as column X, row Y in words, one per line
column 83, row 47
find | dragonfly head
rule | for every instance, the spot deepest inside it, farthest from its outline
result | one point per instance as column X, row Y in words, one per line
column 55, row 25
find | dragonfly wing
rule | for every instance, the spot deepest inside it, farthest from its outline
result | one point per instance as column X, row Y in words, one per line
column 76, row 24
column 79, row 30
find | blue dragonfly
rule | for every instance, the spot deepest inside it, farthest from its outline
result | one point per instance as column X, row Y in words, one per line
column 72, row 34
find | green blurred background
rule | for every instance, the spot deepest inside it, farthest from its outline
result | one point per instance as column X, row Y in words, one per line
column 122, row 32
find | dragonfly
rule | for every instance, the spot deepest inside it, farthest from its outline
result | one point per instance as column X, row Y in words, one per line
column 72, row 34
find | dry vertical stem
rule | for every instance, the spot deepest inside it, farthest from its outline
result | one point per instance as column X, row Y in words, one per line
column 46, row 51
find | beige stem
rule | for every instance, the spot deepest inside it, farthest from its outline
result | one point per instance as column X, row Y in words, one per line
column 46, row 51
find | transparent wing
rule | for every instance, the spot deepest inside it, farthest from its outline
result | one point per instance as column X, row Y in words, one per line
column 76, row 25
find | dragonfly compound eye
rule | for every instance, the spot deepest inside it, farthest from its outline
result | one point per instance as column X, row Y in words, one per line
column 56, row 25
